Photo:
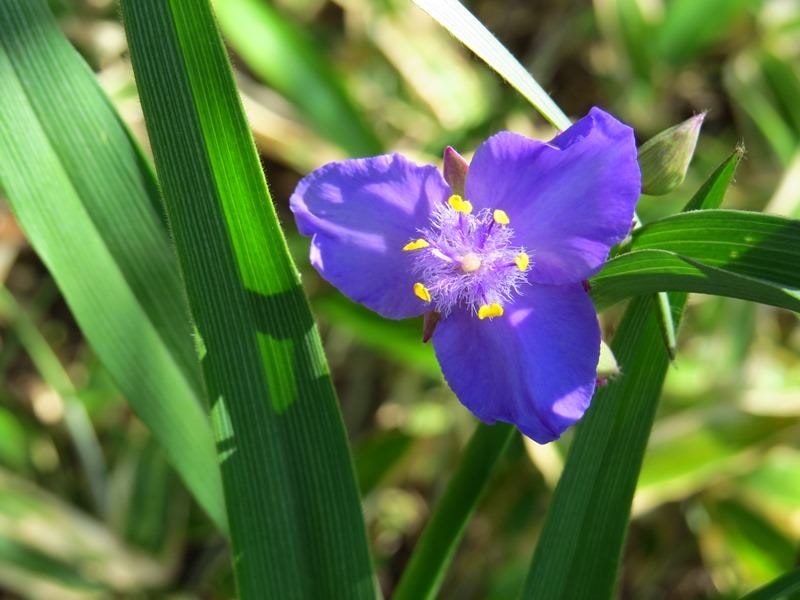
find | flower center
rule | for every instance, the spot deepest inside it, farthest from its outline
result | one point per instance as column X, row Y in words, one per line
column 468, row 259
column 470, row 262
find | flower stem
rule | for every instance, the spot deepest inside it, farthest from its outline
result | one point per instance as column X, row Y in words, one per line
column 439, row 540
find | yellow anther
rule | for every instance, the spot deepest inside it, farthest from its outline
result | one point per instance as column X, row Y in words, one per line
column 490, row 311
column 415, row 245
column 500, row 217
column 458, row 204
column 421, row 292
column 522, row 261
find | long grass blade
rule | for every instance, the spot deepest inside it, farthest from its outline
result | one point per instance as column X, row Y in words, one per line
column 293, row 506
column 286, row 58
column 579, row 548
column 434, row 551
column 785, row 587
column 749, row 243
column 87, row 202
column 76, row 419
column 648, row 271
column 453, row 16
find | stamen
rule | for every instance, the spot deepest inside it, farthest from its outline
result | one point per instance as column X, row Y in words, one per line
column 470, row 262
column 415, row 245
column 500, row 217
column 458, row 204
column 490, row 311
column 441, row 255
column 421, row 292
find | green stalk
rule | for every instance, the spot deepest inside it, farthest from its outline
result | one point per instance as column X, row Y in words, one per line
column 434, row 551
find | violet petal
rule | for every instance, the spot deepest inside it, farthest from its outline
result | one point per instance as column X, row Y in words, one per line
column 569, row 200
column 361, row 213
column 533, row 367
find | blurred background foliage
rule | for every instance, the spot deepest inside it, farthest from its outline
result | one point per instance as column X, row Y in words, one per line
column 89, row 507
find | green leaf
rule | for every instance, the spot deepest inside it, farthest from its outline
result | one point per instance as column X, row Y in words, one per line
column 151, row 508
column 435, row 548
column 746, row 86
column 76, row 420
column 709, row 195
column 87, row 558
column 648, row 271
column 712, row 192
column 87, row 202
column 774, row 480
column 634, row 34
column 286, row 58
column 690, row 27
column 785, row 587
column 784, row 81
column 454, row 17
column 376, row 455
column 737, row 254
column 14, row 441
column 713, row 445
column 579, row 548
column 758, row 549
column 293, row 506
column 756, row 245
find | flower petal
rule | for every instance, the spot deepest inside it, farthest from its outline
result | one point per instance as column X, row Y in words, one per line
column 361, row 213
column 534, row 367
column 569, row 200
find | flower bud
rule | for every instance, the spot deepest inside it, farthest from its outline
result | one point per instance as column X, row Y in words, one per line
column 607, row 366
column 664, row 159
column 455, row 170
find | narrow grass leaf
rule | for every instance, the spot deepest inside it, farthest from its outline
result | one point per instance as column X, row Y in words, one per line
column 712, row 192
column 785, row 587
column 746, row 86
column 453, row 16
column 713, row 442
column 760, row 549
column 287, row 58
column 649, row 271
column 748, row 243
column 377, row 455
column 708, row 196
column 76, row 420
column 87, row 202
column 635, row 35
column 154, row 510
column 737, row 254
column 436, row 546
column 686, row 30
column 579, row 548
column 782, row 77
column 293, row 506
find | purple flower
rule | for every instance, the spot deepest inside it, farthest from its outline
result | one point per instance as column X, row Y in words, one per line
column 502, row 262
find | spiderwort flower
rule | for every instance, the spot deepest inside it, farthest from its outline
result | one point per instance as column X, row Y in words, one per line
column 502, row 264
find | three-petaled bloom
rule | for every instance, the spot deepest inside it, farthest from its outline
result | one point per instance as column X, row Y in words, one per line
column 503, row 263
